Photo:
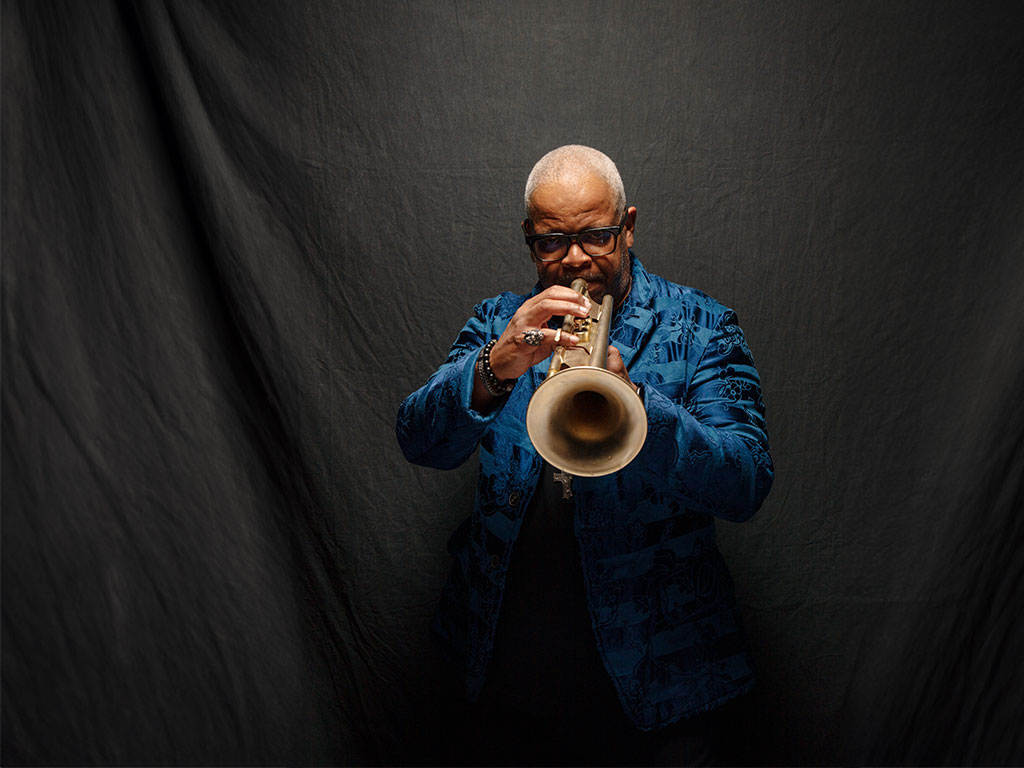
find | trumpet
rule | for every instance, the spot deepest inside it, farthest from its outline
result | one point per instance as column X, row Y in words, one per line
column 584, row 419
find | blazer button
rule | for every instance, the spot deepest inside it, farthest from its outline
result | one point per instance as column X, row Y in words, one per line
column 513, row 498
column 495, row 562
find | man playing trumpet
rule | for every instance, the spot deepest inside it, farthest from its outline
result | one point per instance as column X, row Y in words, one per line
column 618, row 632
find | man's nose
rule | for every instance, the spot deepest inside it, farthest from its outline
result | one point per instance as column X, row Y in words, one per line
column 575, row 257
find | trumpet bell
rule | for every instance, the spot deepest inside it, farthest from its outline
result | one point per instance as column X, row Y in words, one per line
column 586, row 421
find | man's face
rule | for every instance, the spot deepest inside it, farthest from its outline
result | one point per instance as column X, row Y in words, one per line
column 571, row 207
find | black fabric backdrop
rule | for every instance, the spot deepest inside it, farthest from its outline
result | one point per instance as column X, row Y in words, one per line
column 235, row 235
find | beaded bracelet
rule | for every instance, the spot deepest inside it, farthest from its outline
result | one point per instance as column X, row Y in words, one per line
column 495, row 386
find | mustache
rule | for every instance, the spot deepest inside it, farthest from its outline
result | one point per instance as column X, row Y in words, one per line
column 566, row 280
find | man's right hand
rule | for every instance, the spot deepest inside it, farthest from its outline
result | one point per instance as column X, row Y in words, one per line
column 511, row 357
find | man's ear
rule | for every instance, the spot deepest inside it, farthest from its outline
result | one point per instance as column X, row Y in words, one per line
column 629, row 228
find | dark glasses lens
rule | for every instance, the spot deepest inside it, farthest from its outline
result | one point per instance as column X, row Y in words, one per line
column 599, row 241
column 551, row 247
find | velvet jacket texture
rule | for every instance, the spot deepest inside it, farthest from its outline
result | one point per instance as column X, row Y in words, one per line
column 660, row 597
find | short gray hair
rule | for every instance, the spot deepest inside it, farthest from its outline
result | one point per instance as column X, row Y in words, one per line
column 570, row 162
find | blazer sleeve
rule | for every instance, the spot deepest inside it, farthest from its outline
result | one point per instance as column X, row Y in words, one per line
column 710, row 444
column 436, row 425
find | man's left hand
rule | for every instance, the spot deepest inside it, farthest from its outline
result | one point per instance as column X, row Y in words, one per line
column 616, row 366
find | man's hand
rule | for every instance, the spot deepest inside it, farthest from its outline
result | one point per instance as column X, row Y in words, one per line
column 511, row 357
column 616, row 366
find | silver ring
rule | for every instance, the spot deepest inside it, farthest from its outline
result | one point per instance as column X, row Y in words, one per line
column 558, row 335
column 534, row 337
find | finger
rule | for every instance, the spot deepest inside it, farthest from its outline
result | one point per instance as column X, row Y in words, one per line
column 537, row 315
column 562, row 307
column 556, row 301
column 548, row 338
column 565, row 339
column 563, row 292
column 552, row 302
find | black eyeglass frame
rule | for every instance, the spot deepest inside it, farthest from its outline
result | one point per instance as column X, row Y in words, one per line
column 616, row 230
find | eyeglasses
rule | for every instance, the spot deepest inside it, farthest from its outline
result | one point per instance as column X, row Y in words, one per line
column 553, row 246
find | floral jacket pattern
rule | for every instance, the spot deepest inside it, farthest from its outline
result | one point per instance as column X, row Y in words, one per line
column 660, row 597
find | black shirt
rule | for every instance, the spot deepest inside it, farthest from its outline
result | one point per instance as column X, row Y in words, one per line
column 545, row 656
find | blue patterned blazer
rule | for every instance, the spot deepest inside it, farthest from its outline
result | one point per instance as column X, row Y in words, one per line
column 660, row 597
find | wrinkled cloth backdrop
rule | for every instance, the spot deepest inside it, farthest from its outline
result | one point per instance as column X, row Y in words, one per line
column 236, row 234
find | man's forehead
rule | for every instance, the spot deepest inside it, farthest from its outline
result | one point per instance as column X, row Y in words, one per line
column 574, row 193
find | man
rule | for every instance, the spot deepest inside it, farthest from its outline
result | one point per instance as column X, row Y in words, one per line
column 616, row 613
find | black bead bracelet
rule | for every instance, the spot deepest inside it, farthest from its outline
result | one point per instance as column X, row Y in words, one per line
column 495, row 386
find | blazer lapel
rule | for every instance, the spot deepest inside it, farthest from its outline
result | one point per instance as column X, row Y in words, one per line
column 634, row 324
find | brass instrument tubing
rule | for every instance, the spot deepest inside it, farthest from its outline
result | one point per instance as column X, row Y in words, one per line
column 599, row 348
